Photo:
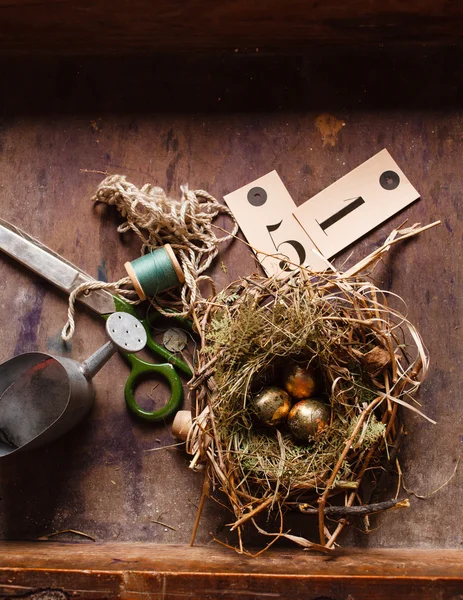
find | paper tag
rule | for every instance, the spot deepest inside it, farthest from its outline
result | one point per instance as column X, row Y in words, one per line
column 356, row 204
column 264, row 211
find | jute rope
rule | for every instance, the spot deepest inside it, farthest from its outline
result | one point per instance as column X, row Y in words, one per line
column 185, row 224
column 84, row 288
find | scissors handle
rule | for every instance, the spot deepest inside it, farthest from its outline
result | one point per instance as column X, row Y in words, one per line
column 156, row 348
column 141, row 369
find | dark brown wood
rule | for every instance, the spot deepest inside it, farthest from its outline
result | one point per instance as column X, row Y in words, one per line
column 59, row 118
column 168, row 572
column 219, row 123
column 101, row 27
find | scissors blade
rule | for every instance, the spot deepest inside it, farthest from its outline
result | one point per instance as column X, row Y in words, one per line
column 51, row 266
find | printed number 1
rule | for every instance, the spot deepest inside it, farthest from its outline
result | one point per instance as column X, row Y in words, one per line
column 298, row 247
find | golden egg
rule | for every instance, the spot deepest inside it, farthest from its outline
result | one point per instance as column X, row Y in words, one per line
column 272, row 406
column 300, row 383
column 308, row 418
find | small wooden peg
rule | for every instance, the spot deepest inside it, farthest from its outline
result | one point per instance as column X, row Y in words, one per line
column 181, row 425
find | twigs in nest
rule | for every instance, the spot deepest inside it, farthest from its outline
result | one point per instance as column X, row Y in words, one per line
column 371, row 358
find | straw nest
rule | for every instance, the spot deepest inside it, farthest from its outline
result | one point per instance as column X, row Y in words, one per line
column 370, row 358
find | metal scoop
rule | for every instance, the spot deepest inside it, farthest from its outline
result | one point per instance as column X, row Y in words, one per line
column 44, row 396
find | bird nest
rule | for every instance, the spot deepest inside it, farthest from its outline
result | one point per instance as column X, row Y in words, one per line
column 370, row 360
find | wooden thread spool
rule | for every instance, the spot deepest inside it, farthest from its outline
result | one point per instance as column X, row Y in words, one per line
column 155, row 272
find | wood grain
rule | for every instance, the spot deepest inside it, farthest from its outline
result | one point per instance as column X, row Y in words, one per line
column 219, row 123
column 101, row 27
column 136, row 571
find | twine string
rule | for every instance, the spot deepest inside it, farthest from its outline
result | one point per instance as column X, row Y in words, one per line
column 156, row 219
column 117, row 287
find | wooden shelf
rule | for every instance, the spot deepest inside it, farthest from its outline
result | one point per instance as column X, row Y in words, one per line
column 161, row 571
column 218, row 120
column 118, row 27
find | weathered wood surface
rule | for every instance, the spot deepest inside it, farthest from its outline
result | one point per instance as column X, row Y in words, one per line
column 156, row 571
column 83, row 27
column 217, row 125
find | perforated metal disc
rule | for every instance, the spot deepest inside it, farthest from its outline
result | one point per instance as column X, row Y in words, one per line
column 126, row 332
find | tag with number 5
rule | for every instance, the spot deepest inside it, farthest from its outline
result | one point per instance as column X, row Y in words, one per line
column 264, row 210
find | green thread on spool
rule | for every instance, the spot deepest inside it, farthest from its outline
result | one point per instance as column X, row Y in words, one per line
column 156, row 271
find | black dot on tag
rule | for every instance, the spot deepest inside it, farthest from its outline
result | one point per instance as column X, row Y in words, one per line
column 257, row 196
column 389, row 180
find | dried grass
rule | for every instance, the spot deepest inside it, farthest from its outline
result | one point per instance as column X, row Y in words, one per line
column 371, row 359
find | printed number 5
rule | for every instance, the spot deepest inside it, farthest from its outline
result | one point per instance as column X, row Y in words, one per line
column 298, row 247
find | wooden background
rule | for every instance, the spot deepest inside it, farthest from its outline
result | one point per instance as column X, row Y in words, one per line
column 218, row 122
column 95, row 27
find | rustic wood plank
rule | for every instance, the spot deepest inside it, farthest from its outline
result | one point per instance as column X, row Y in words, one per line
column 179, row 558
column 134, row 571
column 79, row 27
column 219, row 124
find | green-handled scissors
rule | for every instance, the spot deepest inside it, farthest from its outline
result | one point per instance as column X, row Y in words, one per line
column 67, row 277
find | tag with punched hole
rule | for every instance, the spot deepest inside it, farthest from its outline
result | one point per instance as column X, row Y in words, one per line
column 264, row 211
column 356, row 204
